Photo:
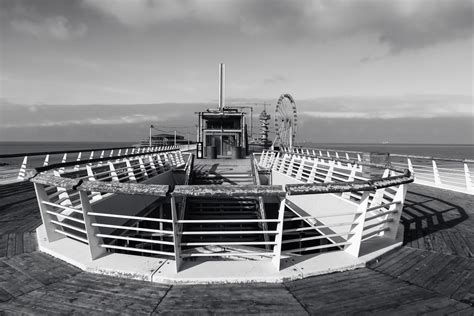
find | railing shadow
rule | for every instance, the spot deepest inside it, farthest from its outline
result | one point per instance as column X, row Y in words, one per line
column 427, row 213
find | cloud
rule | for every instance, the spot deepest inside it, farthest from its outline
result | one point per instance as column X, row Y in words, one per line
column 275, row 79
column 385, row 108
column 400, row 25
column 58, row 28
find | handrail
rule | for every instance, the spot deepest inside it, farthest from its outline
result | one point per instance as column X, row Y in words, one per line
column 356, row 186
column 62, row 152
column 354, row 162
column 219, row 191
column 86, row 161
column 393, row 155
column 100, row 186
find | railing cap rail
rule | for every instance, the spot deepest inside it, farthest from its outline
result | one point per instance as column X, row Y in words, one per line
column 228, row 191
column 125, row 188
column 51, row 179
column 87, row 161
column 99, row 186
column 370, row 185
column 41, row 153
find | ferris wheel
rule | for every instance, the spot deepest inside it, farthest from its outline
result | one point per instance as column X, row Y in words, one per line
column 285, row 121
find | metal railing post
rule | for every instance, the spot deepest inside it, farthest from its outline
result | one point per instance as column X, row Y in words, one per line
column 276, row 260
column 96, row 250
column 467, row 176
column 22, row 173
column 392, row 225
column 176, row 234
column 437, row 179
column 49, row 227
column 357, row 228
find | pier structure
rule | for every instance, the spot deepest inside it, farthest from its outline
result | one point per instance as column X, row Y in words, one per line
column 153, row 216
column 432, row 272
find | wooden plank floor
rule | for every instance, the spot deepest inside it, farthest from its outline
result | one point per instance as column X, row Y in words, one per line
column 433, row 273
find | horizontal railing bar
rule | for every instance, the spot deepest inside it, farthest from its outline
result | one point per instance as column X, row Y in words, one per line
column 62, row 232
column 66, row 216
column 382, row 206
column 231, row 243
column 318, row 247
column 375, row 232
column 169, row 232
column 68, row 226
column 131, row 217
column 156, row 252
column 289, row 241
column 244, row 232
column 388, row 220
column 210, row 221
column 151, row 241
column 319, row 216
column 226, row 254
column 63, row 207
column 316, row 227
column 380, row 214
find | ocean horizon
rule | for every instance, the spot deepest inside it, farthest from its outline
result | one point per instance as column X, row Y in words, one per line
column 458, row 151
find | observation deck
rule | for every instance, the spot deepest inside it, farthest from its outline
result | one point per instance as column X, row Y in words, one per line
column 283, row 218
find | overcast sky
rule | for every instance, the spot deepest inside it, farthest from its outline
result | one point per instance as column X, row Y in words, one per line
column 360, row 71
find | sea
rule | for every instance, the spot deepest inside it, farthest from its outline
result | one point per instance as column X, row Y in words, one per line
column 462, row 151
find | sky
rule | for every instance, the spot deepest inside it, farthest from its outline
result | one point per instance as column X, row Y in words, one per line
column 360, row 71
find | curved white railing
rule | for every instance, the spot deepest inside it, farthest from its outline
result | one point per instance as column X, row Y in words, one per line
column 118, row 205
column 444, row 173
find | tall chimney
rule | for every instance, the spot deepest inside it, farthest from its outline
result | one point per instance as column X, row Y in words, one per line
column 221, row 87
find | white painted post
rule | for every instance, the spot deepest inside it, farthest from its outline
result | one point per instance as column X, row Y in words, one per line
column 152, row 165
column 22, row 173
column 49, row 227
column 312, row 174
column 113, row 173
column 358, row 157
column 142, row 167
column 131, row 174
column 126, row 152
column 63, row 192
column 299, row 174
column 410, row 165
column 90, row 158
column 290, row 167
column 330, row 170
column 276, row 260
column 379, row 193
column 357, row 227
column 96, row 250
column 76, row 167
column 467, row 175
column 347, row 195
column 176, row 234
column 437, row 179
column 46, row 161
column 320, row 153
column 111, row 153
column 90, row 173
column 392, row 226
column 61, row 170
column 101, row 156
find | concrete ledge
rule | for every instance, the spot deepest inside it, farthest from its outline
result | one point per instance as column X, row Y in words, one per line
column 201, row 271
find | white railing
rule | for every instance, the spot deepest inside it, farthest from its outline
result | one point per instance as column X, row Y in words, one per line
column 43, row 159
column 374, row 213
column 72, row 205
column 444, row 173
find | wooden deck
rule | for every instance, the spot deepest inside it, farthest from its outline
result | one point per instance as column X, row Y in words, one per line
column 432, row 273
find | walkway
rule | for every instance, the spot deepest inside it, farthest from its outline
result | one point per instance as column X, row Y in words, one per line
column 433, row 272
